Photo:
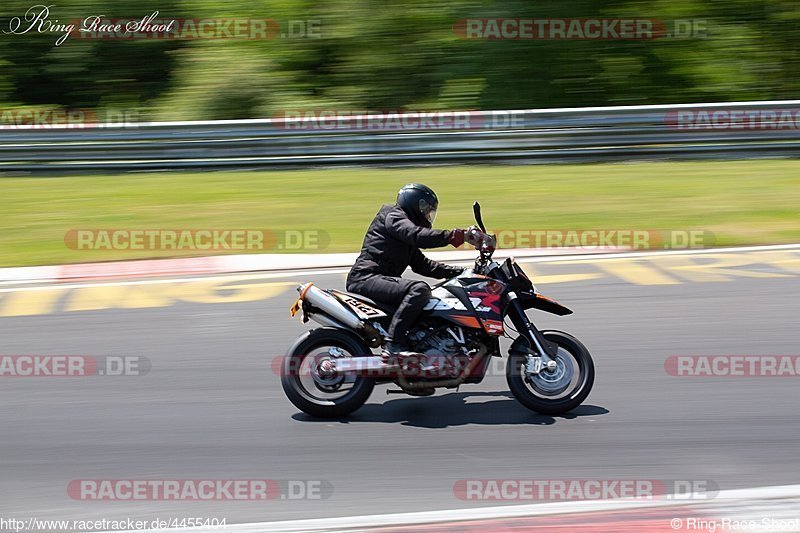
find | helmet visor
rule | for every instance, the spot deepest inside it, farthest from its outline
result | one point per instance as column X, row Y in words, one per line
column 428, row 211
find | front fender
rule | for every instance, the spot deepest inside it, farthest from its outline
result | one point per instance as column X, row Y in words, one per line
column 534, row 300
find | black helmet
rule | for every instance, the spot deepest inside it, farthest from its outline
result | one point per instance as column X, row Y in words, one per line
column 419, row 202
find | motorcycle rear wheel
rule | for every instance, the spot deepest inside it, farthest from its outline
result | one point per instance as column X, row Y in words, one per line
column 311, row 399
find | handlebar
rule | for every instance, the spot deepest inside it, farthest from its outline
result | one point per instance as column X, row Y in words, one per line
column 485, row 244
column 480, row 240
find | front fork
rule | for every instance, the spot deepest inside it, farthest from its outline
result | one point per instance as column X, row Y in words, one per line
column 540, row 353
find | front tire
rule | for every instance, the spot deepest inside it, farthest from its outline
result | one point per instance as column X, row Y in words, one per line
column 311, row 399
column 547, row 393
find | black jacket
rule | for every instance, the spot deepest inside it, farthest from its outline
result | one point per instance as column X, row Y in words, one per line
column 392, row 244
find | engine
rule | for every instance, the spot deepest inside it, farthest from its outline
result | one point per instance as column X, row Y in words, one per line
column 444, row 349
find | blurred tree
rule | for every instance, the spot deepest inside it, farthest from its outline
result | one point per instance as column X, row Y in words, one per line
column 405, row 54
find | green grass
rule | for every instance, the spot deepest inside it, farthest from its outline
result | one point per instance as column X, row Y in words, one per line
column 745, row 202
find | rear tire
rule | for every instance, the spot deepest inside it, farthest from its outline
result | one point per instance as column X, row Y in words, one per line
column 302, row 398
column 524, row 392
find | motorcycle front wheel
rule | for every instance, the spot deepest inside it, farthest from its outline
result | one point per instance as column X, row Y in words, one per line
column 557, row 391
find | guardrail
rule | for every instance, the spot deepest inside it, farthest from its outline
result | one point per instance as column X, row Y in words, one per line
column 727, row 130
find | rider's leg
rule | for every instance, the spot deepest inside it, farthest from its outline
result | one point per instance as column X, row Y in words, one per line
column 417, row 295
column 409, row 295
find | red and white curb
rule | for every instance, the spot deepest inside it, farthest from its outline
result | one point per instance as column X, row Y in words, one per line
column 224, row 264
column 773, row 509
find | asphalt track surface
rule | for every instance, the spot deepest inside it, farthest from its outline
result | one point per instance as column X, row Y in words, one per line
column 212, row 408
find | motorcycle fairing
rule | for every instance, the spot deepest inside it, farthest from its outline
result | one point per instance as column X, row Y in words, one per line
column 472, row 302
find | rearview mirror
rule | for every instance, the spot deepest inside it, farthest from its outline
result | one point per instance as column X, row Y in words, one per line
column 476, row 209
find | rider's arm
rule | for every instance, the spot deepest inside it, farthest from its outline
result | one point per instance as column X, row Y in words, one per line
column 432, row 269
column 401, row 228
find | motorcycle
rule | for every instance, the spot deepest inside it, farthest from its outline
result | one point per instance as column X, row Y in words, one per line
column 331, row 371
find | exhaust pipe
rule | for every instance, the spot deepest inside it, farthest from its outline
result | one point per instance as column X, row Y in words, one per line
column 329, row 304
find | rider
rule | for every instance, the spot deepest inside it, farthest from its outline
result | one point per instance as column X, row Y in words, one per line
column 393, row 243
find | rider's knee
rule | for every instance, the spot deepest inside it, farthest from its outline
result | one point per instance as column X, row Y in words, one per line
column 419, row 291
